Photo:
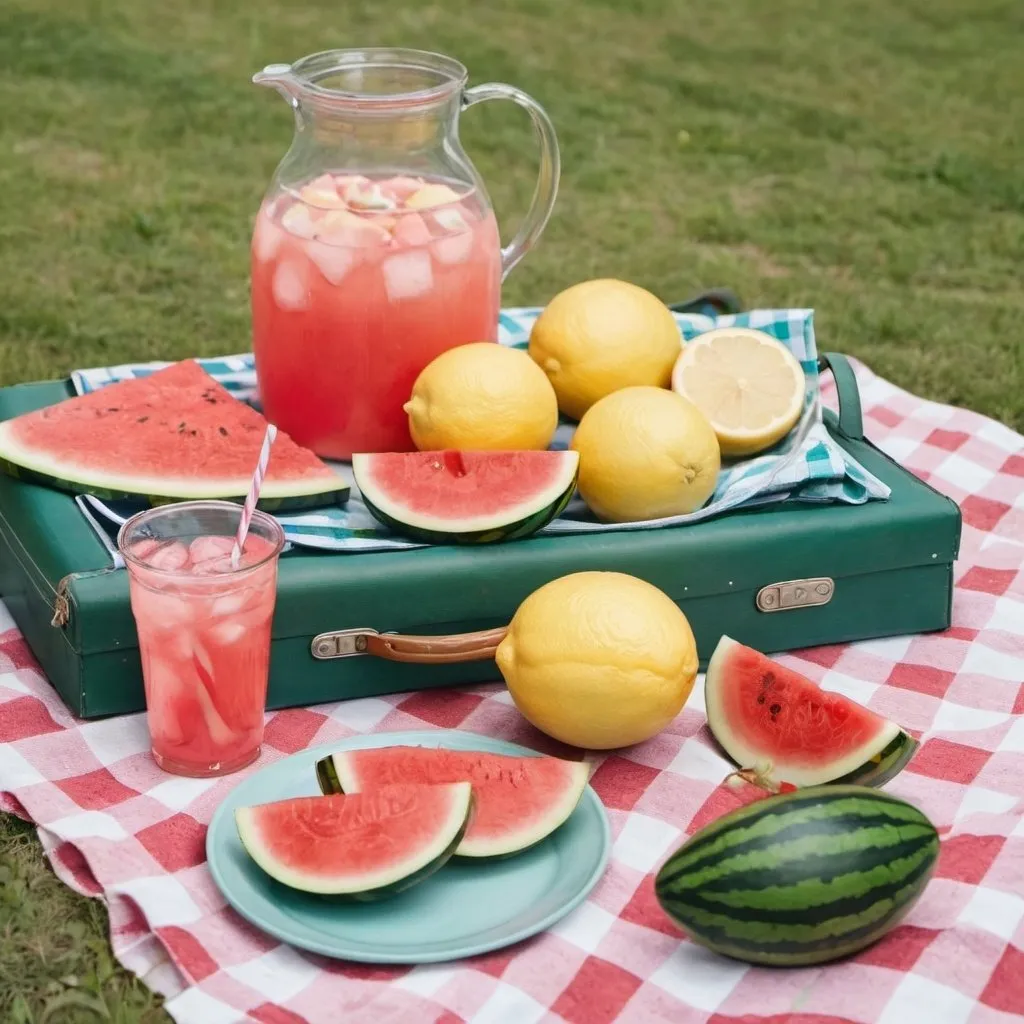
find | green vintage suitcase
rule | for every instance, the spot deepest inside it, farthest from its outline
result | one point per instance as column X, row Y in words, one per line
column 777, row 577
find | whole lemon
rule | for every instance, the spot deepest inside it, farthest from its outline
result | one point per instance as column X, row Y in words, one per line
column 602, row 335
column 645, row 453
column 482, row 396
column 599, row 659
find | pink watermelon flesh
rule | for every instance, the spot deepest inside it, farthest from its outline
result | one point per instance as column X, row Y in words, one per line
column 453, row 487
column 175, row 433
column 519, row 800
column 358, row 844
column 767, row 716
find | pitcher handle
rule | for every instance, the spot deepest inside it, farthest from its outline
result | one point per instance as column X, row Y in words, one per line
column 550, row 167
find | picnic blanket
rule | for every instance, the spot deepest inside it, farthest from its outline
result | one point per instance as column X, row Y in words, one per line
column 808, row 466
column 115, row 828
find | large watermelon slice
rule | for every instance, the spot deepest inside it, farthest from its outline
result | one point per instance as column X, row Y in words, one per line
column 778, row 723
column 519, row 800
column 365, row 846
column 473, row 497
column 175, row 434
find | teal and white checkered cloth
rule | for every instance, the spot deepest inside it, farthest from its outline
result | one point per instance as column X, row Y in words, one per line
column 808, row 466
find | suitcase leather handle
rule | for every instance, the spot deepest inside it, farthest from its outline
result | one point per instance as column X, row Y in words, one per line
column 420, row 650
column 436, row 650
column 851, row 417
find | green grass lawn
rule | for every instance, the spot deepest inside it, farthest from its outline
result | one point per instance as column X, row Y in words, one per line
column 858, row 156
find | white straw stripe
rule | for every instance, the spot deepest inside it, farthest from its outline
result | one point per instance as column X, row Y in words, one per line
column 254, row 494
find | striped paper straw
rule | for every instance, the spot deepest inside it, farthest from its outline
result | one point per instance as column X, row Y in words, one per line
column 253, row 496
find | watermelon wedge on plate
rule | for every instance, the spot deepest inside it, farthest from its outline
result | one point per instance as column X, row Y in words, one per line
column 171, row 436
column 473, row 497
column 363, row 847
column 785, row 729
column 518, row 800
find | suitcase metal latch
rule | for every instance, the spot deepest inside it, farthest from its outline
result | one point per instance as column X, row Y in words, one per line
column 342, row 643
column 808, row 593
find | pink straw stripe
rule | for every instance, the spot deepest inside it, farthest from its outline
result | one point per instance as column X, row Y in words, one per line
column 254, row 494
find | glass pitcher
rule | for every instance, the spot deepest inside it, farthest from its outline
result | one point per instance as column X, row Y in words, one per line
column 376, row 246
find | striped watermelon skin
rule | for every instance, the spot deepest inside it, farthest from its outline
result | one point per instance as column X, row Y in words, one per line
column 801, row 878
column 885, row 766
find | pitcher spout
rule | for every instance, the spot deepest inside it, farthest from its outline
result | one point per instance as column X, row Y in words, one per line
column 281, row 78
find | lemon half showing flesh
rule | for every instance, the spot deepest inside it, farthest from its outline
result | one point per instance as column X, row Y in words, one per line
column 749, row 386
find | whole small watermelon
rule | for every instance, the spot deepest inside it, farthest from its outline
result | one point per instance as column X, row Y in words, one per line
column 801, row 878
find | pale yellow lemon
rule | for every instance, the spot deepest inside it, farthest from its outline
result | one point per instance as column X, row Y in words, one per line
column 602, row 335
column 599, row 660
column 645, row 453
column 748, row 384
column 482, row 396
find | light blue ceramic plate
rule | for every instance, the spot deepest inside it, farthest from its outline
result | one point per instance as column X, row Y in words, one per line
column 462, row 910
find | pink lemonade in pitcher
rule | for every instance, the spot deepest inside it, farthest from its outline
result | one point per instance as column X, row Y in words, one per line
column 204, row 636
column 357, row 284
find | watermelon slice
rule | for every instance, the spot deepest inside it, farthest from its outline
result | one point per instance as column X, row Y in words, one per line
column 365, row 846
column 786, row 729
column 173, row 435
column 519, row 800
column 473, row 497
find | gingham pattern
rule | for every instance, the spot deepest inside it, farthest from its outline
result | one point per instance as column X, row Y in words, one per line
column 117, row 829
column 809, row 466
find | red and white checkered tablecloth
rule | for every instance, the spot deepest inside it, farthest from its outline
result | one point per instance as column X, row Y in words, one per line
column 116, row 828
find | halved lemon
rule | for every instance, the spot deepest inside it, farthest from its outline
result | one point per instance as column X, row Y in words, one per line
column 748, row 384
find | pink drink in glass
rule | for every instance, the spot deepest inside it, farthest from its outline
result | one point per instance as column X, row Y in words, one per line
column 204, row 631
column 357, row 284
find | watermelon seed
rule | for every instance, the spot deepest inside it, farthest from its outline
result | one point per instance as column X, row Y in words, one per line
column 775, row 709
column 223, row 431
column 142, row 419
column 761, row 698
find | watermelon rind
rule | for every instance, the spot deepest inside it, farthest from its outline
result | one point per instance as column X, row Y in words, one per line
column 875, row 773
column 515, row 842
column 858, row 765
column 33, row 466
column 337, row 774
column 327, row 777
column 883, row 767
column 513, row 523
column 803, row 878
column 372, row 884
